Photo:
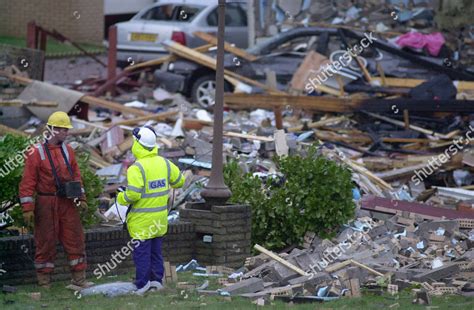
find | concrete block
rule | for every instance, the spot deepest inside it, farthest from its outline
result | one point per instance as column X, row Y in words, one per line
column 425, row 228
column 445, row 271
column 284, row 274
column 251, row 285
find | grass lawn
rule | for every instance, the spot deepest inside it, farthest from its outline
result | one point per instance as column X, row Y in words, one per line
column 60, row 298
column 53, row 47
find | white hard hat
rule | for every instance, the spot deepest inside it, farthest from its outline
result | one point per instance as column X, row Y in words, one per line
column 146, row 136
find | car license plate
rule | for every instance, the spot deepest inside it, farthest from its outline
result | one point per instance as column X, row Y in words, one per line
column 147, row 37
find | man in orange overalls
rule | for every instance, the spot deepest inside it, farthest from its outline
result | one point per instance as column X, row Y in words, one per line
column 55, row 214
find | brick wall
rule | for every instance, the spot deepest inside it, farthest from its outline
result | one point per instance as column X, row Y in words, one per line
column 80, row 20
column 17, row 253
column 223, row 233
column 217, row 235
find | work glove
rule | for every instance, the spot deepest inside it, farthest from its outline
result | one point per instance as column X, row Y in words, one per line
column 29, row 218
column 83, row 205
column 121, row 189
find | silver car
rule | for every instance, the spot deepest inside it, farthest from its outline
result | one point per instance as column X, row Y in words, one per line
column 140, row 38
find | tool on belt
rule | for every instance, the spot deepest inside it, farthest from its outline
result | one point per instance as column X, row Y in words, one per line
column 70, row 189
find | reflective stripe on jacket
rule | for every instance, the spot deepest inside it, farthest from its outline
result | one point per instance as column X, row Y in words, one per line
column 149, row 180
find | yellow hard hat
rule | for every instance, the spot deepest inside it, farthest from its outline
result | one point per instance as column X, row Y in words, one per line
column 59, row 119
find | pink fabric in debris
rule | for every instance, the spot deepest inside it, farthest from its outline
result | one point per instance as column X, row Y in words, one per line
column 432, row 42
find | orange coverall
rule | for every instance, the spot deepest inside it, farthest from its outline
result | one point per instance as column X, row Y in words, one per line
column 56, row 218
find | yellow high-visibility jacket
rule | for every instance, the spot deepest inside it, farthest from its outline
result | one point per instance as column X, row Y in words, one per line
column 149, row 180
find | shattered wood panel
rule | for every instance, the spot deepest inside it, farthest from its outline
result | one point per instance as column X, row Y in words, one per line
column 311, row 64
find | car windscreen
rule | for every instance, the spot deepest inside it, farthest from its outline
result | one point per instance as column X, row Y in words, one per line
column 172, row 12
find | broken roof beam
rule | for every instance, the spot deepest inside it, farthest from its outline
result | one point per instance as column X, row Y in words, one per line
column 322, row 104
column 391, row 206
column 331, row 104
column 227, row 46
column 93, row 101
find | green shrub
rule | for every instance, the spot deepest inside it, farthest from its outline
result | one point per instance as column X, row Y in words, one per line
column 11, row 146
column 10, row 177
column 315, row 194
column 93, row 186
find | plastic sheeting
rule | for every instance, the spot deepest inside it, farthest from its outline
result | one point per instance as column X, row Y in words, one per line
column 431, row 42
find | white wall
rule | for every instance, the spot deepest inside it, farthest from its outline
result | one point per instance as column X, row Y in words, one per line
column 112, row 7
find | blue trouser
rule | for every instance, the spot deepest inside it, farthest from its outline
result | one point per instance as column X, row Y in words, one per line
column 148, row 261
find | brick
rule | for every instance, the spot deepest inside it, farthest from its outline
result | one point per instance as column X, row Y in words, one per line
column 198, row 214
column 231, row 209
column 405, row 221
column 436, row 238
column 237, row 229
column 233, row 237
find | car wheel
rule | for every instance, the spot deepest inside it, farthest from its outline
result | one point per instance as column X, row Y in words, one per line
column 203, row 91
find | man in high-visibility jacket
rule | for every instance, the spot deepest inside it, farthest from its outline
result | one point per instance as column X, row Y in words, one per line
column 55, row 216
column 148, row 184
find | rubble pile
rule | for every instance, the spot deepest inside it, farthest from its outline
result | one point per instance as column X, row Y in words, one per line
column 399, row 115
column 392, row 254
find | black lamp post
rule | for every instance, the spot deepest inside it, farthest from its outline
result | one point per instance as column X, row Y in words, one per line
column 216, row 192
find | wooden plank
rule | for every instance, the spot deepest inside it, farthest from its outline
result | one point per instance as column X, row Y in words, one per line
column 270, row 101
column 210, row 62
column 280, row 260
column 195, row 124
column 124, row 146
column 413, row 127
column 212, row 40
column 399, row 173
column 351, row 137
column 249, row 137
column 366, row 73
column 170, row 275
column 31, row 103
column 102, row 103
column 411, row 83
column 355, row 287
column 366, row 268
column 162, row 60
column 5, row 129
column 157, row 116
column 320, row 123
column 337, row 266
column 309, row 66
